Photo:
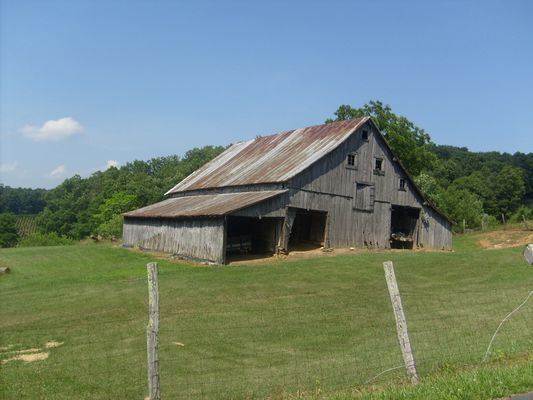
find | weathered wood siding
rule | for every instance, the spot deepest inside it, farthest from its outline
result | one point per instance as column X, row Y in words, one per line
column 434, row 231
column 198, row 238
column 330, row 185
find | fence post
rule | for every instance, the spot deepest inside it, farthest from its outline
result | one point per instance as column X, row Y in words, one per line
column 152, row 333
column 525, row 222
column 401, row 323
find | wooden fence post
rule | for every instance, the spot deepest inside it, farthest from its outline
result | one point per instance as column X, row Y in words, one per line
column 401, row 323
column 152, row 333
column 525, row 222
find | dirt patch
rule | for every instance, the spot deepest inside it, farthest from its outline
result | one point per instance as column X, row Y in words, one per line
column 505, row 239
column 32, row 350
column 28, row 357
column 52, row 343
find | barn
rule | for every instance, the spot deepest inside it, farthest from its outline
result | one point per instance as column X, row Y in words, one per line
column 336, row 185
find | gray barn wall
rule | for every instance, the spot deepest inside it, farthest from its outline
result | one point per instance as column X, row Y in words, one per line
column 200, row 238
column 329, row 185
column 436, row 232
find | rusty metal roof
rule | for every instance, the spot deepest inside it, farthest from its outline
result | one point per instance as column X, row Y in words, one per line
column 209, row 205
column 270, row 159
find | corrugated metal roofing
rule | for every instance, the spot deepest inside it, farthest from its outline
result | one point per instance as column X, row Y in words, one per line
column 270, row 159
column 209, row 205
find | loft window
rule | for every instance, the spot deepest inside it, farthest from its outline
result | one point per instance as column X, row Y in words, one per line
column 364, row 197
column 378, row 166
column 364, row 135
column 351, row 161
column 402, row 184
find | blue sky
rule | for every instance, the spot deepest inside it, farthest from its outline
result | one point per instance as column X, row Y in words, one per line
column 87, row 84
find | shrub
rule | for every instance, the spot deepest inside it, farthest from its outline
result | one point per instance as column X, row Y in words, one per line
column 8, row 230
column 111, row 229
column 523, row 211
column 45, row 239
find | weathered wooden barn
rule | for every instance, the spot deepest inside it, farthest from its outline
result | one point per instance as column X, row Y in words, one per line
column 334, row 185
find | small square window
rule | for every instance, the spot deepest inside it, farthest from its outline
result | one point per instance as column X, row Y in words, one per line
column 402, row 184
column 378, row 166
column 364, row 134
column 351, row 161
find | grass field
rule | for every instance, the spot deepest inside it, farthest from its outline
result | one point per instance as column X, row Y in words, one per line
column 313, row 328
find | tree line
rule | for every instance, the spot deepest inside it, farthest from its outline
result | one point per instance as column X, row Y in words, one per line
column 465, row 185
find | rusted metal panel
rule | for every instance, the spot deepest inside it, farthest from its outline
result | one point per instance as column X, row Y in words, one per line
column 267, row 159
column 211, row 205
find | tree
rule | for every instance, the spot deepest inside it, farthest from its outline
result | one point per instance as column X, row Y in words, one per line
column 479, row 183
column 8, row 230
column 109, row 218
column 461, row 204
column 409, row 142
column 509, row 189
column 430, row 187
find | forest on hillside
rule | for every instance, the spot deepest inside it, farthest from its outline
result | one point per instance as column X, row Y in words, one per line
column 467, row 186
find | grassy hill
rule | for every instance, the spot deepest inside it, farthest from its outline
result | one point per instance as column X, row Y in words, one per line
column 314, row 328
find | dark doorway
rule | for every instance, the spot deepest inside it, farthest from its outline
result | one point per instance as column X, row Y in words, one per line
column 308, row 230
column 403, row 226
column 246, row 236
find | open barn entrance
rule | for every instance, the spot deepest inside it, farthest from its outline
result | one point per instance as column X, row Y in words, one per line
column 248, row 237
column 308, row 230
column 403, row 226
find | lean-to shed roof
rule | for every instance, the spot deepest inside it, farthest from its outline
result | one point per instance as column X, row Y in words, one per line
column 270, row 159
column 208, row 205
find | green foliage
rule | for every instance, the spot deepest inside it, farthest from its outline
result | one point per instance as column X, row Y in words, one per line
column 522, row 212
column 509, row 189
column 81, row 206
column 461, row 204
column 21, row 200
column 8, row 230
column 111, row 228
column 409, row 142
column 44, row 239
column 430, row 187
column 109, row 218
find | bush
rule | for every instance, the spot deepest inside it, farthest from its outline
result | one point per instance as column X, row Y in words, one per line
column 111, row 229
column 45, row 239
column 8, row 230
column 523, row 211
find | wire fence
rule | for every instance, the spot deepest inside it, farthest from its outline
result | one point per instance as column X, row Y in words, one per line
column 272, row 344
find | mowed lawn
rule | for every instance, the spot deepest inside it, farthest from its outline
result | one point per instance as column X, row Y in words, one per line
column 316, row 325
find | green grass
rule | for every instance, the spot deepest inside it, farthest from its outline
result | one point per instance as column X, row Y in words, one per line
column 319, row 326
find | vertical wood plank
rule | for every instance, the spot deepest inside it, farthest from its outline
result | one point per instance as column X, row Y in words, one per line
column 152, row 333
column 401, row 323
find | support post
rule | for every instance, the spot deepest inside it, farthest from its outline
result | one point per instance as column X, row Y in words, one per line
column 525, row 222
column 503, row 221
column 464, row 225
column 401, row 323
column 152, row 333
